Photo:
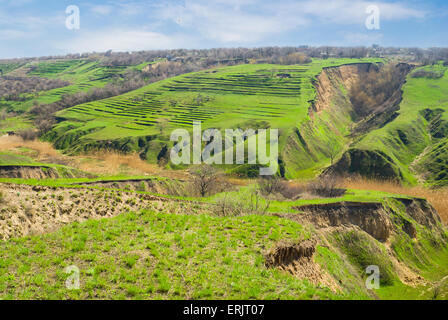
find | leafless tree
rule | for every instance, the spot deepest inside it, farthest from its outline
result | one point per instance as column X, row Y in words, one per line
column 270, row 185
column 205, row 179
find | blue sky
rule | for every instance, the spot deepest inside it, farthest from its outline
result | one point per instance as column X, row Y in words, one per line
column 38, row 27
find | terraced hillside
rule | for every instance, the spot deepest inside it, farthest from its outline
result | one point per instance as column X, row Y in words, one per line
column 243, row 96
column 82, row 74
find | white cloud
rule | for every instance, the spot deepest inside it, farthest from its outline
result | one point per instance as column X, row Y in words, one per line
column 123, row 40
column 353, row 12
column 246, row 21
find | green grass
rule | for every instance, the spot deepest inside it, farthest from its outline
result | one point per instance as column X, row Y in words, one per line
column 13, row 159
column 5, row 68
column 15, row 124
column 223, row 98
column 82, row 74
column 155, row 256
column 10, row 159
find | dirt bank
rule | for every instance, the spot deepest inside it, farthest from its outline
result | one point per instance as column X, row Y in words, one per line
column 27, row 210
column 377, row 219
column 28, row 172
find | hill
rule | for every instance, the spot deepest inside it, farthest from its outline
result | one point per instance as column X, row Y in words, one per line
column 243, row 96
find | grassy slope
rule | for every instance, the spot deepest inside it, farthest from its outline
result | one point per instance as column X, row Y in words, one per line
column 241, row 96
column 151, row 255
column 155, row 256
column 82, row 74
column 408, row 135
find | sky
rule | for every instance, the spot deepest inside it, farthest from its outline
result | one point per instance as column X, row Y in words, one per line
column 31, row 28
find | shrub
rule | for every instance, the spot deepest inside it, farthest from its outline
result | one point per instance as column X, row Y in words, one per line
column 326, row 187
column 270, row 185
column 28, row 134
column 427, row 74
column 241, row 203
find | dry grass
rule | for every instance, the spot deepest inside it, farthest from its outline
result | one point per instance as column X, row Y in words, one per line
column 112, row 162
column 102, row 163
column 438, row 197
column 44, row 149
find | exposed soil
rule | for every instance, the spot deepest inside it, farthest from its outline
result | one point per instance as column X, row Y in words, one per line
column 329, row 81
column 373, row 218
column 28, row 172
column 370, row 217
column 166, row 187
column 297, row 259
column 27, row 210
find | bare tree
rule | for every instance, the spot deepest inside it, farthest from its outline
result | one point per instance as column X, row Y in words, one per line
column 205, row 179
column 270, row 185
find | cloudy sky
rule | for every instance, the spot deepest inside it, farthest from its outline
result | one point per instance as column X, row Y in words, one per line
column 39, row 27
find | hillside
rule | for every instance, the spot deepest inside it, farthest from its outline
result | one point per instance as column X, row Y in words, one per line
column 75, row 75
column 360, row 185
column 410, row 146
column 158, row 247
column 264, row 96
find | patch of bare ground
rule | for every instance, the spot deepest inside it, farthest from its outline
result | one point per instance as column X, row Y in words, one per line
column 404, row 273
column 297, row 259
column 28, row 210
column 28, row 172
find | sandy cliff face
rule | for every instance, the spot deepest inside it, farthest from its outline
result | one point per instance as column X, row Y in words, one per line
column 329, row 82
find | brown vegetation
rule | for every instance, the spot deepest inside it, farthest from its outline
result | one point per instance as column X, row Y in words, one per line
column 96, row 163
column 437, row 197
column 11, row 88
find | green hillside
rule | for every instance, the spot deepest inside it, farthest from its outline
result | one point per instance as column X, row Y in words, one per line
column 244, row 96
column 156, row 254
column 82, row 74
column 414, row 142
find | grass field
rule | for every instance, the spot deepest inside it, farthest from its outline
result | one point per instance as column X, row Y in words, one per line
column 160, row 256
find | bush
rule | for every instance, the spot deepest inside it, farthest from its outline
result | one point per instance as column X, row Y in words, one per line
column 292, row 190
column 325, row 187
column 241, row 203
column 270, row 185
column 427, row 74
column 28, row 134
